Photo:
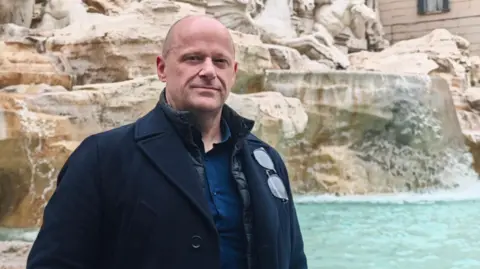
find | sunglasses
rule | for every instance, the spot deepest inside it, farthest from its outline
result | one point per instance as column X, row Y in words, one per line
column 275, row 183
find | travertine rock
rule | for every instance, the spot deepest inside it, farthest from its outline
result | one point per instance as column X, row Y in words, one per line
column 475, row 72
column 13, row 255
column 41, row 125
column 98, row 48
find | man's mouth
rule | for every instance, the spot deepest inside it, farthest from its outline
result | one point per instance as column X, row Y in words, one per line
column 206, row 87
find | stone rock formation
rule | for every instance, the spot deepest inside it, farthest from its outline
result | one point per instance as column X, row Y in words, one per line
column 13, row 254
column 43, row 124
column 475, row 71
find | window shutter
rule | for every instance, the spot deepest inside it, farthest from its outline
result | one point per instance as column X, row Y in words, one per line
column 421, row 7
column 446, row 5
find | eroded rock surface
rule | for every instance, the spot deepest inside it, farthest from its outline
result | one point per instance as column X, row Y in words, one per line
column 43, row 124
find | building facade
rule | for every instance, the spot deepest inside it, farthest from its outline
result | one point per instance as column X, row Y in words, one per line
column 406, row 19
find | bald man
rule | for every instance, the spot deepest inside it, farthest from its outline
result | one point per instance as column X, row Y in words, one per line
column 186, row 186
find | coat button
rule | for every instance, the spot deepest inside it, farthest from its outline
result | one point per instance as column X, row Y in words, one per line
column 196, row 241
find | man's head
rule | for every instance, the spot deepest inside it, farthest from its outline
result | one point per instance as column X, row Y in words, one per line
column 197, row 64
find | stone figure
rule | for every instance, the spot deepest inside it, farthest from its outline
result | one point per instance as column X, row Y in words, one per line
column 309, row 26
column 330, row 19
column 302, row 8
column 236, row 14
column 57, row 14
column 19, row 12
column 333, row 17
column 374, row 31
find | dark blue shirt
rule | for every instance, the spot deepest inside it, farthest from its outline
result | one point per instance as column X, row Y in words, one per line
column 225, row 202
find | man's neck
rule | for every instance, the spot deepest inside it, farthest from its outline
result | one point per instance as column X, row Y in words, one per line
column 208, row 124
column 209, row 127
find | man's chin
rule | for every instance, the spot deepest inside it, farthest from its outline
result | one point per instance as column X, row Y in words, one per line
column 207, row 106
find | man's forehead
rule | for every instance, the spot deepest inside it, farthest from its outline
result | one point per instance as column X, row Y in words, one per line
column 201, row 29
column 196, row 29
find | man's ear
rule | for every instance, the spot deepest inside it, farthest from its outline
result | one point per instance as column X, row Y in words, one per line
column 161, row 68
column 235, row 70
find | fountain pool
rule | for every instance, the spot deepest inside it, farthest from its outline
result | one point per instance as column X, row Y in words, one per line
column 438, row 231
column 402, row 231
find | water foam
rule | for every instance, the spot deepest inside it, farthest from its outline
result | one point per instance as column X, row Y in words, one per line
column 465, row 192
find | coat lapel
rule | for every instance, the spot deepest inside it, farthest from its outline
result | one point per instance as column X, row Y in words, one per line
column 265, row 215
column 163, row 147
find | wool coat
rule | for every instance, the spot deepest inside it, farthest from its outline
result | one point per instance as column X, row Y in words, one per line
column 130, row 198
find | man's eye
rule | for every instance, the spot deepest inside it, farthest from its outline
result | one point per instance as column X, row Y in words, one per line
column 193, row 58
column 221, row 61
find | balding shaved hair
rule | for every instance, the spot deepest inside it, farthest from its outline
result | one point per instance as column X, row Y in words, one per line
column 167, row 44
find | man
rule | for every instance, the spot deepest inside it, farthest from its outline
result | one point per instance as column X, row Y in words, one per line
column 186, row 186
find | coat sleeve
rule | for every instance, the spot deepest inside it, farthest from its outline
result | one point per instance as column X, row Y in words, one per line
column 70, row 233
column 298, row 259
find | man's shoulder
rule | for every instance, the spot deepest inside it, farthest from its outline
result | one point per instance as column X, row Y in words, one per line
column 254, row 142
column 114, row 135
column 107, row 140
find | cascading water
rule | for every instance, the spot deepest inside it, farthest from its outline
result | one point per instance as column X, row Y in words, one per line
column 415, row 143
column 386, row 133
column 39, row 180
column 43, row 172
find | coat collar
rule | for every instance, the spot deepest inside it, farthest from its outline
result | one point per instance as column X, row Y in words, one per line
column 239, row 127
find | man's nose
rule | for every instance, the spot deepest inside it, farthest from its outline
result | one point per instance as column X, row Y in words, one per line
column 208, row 70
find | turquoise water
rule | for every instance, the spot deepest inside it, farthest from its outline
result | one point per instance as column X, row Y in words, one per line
column 375, row 234
column 365, row 235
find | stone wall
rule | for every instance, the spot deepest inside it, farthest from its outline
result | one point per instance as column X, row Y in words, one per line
column 401, row 20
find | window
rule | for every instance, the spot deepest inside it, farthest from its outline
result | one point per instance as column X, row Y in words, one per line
column 433, row 6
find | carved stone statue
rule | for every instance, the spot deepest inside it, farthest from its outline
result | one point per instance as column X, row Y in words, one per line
column 309, row 26
column 57, row 14
column 375, row 34
column 331, row 18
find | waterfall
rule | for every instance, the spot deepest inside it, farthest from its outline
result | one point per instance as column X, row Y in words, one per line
column 374, row 133
column 42, row 176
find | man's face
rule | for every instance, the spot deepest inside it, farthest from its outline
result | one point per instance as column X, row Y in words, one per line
column 199, row 68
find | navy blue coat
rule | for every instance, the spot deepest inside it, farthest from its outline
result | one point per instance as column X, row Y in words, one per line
column 128, row 198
